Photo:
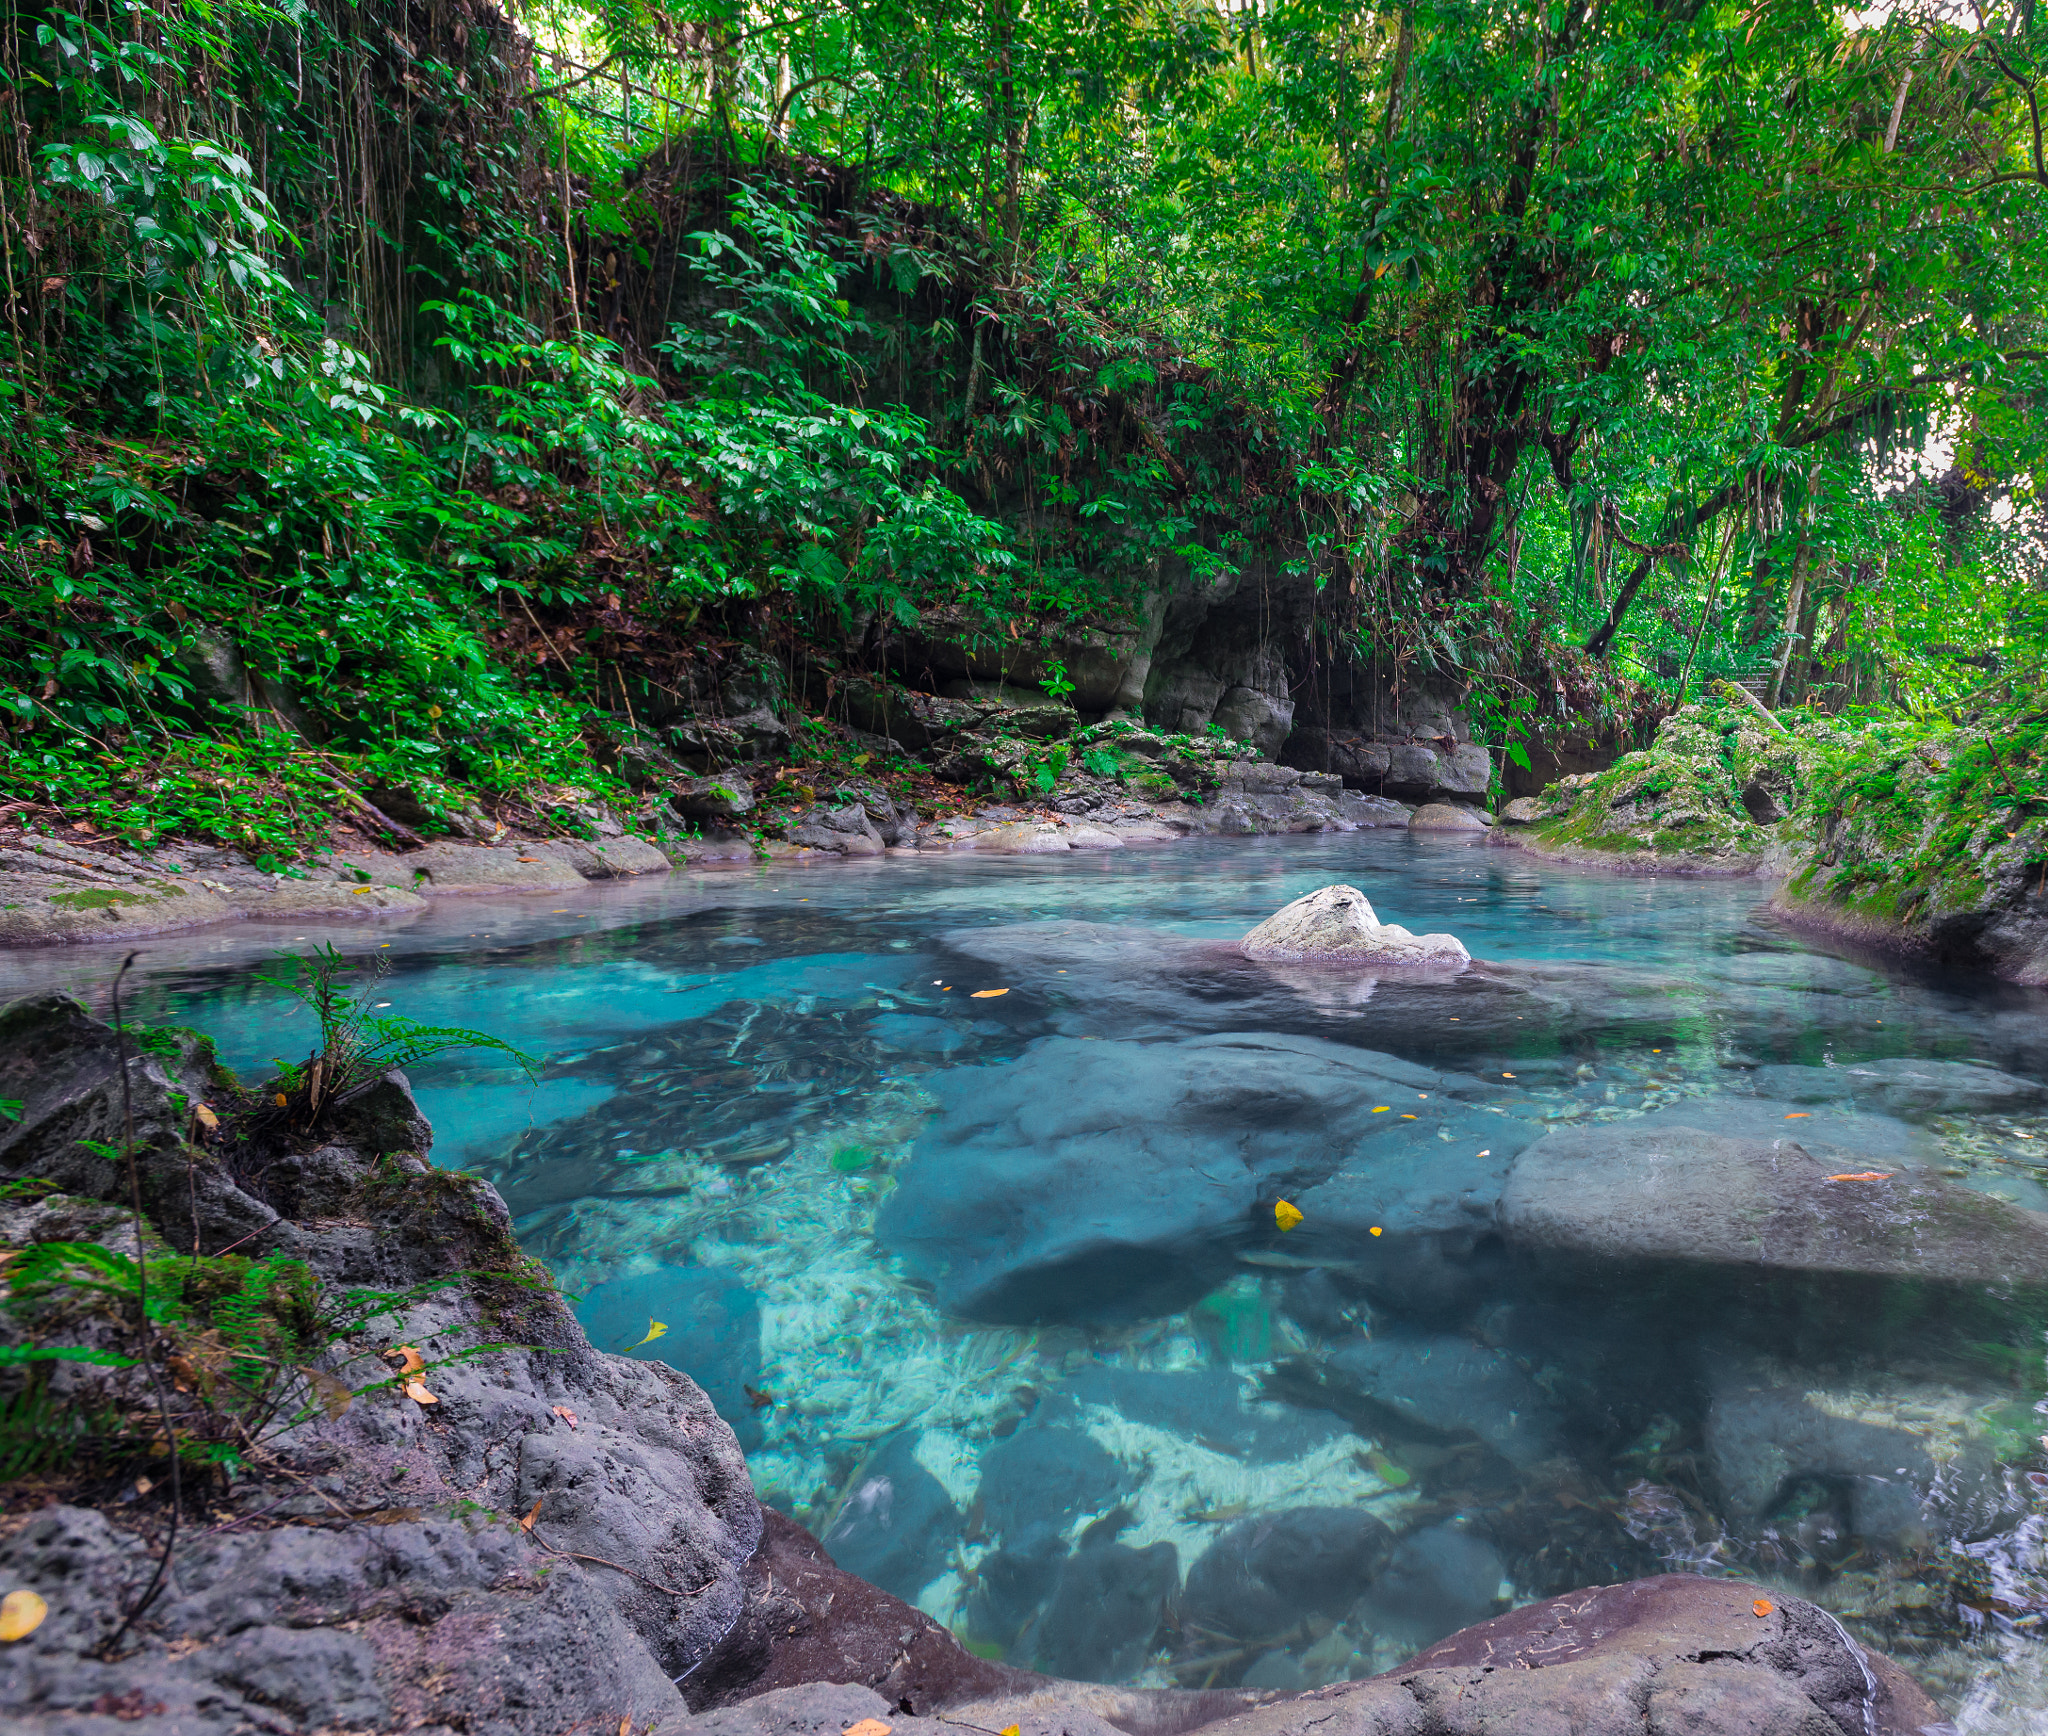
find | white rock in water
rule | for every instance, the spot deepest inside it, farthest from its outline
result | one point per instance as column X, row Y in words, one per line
column 1337, row 923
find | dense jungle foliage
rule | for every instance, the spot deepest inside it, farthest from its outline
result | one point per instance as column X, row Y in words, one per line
column 424, row 377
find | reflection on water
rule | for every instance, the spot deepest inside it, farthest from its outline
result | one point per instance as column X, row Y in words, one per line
column 953, row 1182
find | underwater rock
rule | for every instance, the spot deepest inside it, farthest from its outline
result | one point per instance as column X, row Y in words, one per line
column 1010, row 1586
column 919, row 1033
column 898, row 1526
column 1042, row 1479
column 1807, row 1464
column 1905, row 1087
column 712, row 1333
column 1105, row 1610
column 1207, row 1404
column 1337, row 923
column 1439, row 1579
column 1674, row 1194
column 1438, row 1387
column 1858, row 1138
column 1098, row 1180
column 1263, row 1575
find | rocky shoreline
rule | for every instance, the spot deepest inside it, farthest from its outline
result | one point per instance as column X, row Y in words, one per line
column 513, row 1533
column 54, row 891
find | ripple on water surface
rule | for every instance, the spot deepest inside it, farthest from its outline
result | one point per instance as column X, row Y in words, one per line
column 1655, row 1240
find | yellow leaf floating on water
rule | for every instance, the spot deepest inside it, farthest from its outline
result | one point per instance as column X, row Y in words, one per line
column 655, row 1329
column 21, row 1613
column 1286, row 1215
column 987, row 994
column 1863, row 1175
column 1800, row 1115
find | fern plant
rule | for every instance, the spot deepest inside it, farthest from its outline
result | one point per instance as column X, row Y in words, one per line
column 356, row 1046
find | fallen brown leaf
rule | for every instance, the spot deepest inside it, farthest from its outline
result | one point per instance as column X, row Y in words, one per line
column 866, row 1727
column 566, row 1414
column 526, row 1524
column 416, row 1390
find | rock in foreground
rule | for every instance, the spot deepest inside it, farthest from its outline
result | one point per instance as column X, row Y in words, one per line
column 1649, row 1657
column 1337, row 924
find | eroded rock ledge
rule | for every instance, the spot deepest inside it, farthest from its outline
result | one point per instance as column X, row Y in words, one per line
column 568, row 1540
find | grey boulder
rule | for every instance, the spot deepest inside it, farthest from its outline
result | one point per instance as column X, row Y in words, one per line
column 1677, row 1195
column 1906, row 1087
column 1448, row 817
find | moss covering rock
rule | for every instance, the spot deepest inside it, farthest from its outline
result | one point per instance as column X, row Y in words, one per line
column 1931, row 834
column 1705, row 796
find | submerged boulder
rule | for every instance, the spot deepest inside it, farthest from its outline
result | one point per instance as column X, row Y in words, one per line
column 1094, row 1180
column 1264, row 1575
column 1632, row 1192
column 1337, row 923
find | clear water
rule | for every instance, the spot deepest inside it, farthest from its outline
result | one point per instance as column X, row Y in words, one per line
column 990, row 1283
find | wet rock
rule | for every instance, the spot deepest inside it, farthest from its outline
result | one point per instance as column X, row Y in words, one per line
column 1671, row 1654
column 806, row 1621
column 1805, row 1466
column 1905, row 1087
column 1337, row 923
column 898, row 1527
column 1264, row 1575
column 1044, row 1478
column 1010, row 1587
column 1102, row 1180
column 1676, row 1195
column 724, row 797
column 1437, row 1388
column 713, row 1333
column 1447, row 817
column 1105, row 1610
column 1847, row 1137
column 1438, row 1580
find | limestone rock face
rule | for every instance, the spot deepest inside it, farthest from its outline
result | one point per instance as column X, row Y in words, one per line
column 1337, row 923
column 1522, row 811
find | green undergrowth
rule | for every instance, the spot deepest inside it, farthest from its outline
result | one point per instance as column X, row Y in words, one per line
column 1710, row 786
column 1900, row 819
column 1914, row 819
